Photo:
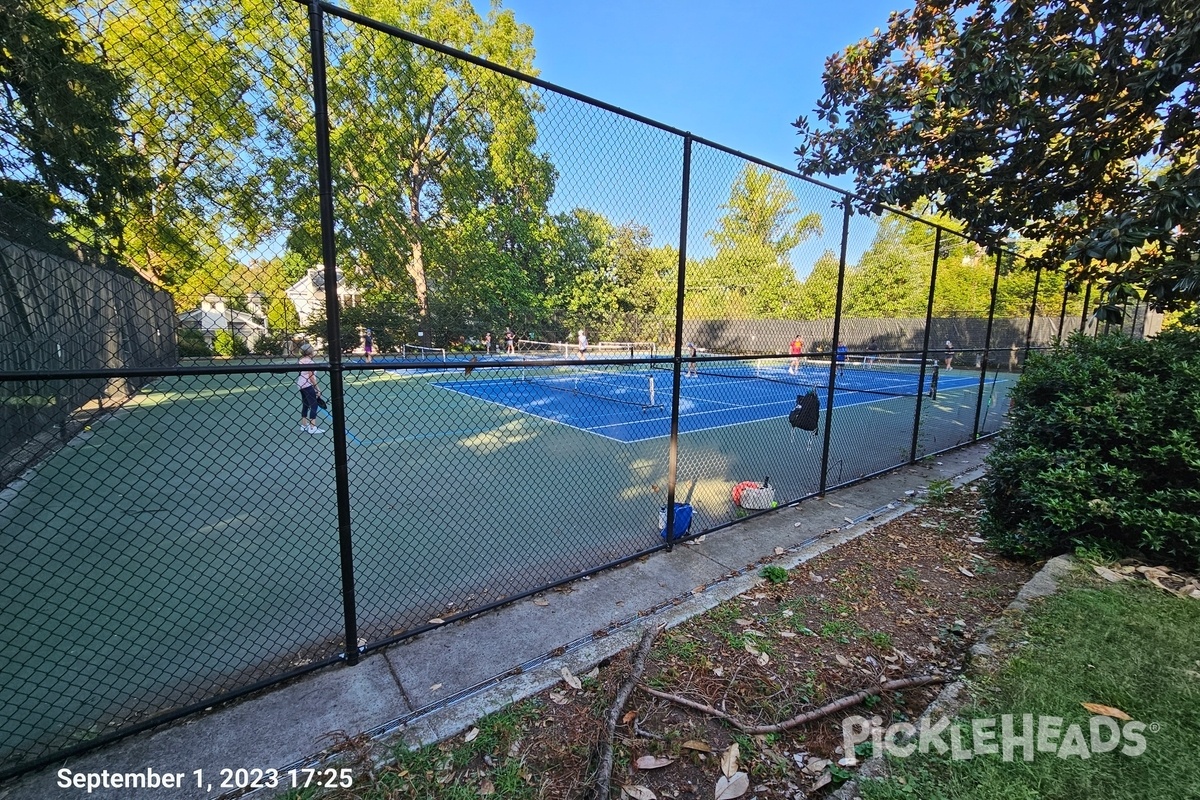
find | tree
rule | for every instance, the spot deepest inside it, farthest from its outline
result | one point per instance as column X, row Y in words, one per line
column 422, row 143
column 62, row 165
column 818, row 293
column 892, row 276
column 751, row 275
column 196, row 102
column 1066, row 122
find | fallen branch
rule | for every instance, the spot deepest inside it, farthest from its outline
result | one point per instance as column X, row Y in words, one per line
column 807, row 716
column 604, row 771
column 642, row 733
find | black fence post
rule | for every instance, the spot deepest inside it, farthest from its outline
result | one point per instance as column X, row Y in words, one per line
column 987, row 347
column 1037, row 282
column 937, row 252
column 837, row 332
column 680, row 280
column 1062, row 314
column 316, row 32
column 1087, row 299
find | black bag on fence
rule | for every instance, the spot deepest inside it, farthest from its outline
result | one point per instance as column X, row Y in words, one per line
column 807, row 413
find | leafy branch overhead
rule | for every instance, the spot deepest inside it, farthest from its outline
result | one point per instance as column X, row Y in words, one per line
column 1071, row 123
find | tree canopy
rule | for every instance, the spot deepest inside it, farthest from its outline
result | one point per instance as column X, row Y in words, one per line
column 1075, row 124
column 61, row 132
column 751, row 276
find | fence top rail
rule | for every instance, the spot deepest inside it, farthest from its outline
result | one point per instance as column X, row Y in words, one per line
column 400, row 33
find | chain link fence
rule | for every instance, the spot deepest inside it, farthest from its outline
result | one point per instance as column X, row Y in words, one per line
column 333, row 335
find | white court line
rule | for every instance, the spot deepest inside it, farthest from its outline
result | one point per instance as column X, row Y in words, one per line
column 532, row 414
column 764, row 419
column 596, row 430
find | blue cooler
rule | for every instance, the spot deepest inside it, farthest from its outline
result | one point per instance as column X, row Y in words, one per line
column 683, row 520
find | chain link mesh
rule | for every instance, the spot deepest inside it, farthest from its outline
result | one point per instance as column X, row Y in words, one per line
column 500, row 382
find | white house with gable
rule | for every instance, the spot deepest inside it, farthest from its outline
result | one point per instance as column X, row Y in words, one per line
column 214, row 315
column 308, row 294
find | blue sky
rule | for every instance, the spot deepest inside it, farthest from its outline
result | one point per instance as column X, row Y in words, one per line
column 735, row 73
column 738, row 73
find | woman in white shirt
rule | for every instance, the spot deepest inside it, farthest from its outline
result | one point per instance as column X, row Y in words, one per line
column 309, row 393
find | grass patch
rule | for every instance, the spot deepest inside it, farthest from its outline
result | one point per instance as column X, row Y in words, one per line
column 455, row 769
column 1120, row 645
column 680, row 646
column 938, row 492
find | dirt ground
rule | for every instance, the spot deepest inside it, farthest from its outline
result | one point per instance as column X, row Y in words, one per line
column 906, row 599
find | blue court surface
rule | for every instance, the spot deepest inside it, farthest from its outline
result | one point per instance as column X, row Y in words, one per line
column 633, row 404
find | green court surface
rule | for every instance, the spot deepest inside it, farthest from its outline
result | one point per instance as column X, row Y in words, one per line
column 187, row 545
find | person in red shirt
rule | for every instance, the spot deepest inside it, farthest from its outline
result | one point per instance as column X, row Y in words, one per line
column 797, row 350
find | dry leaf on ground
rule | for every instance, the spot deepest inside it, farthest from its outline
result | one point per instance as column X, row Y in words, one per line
column 1108, row 574
column 729, row 760
column 638, row 793
column 733, row 786
column 570, row 679
column 1107, row 711
column 654, row 762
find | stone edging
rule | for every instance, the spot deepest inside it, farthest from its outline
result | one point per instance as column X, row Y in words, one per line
column 953, row 696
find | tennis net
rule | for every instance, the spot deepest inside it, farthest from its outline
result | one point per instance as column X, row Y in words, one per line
column 422, row 353
column 530, row 347
column 628, row 388
column 894, row 376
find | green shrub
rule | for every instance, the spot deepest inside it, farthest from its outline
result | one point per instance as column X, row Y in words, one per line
column 226, row 343
column 1102, row 447
column 192, row 343
column 774, row 574
column 272, row 344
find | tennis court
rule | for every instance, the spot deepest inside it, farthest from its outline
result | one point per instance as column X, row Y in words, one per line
column 632, row 404
column 200, row 511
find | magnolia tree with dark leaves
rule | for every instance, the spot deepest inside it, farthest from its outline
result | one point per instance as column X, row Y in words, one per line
column 1071, row 123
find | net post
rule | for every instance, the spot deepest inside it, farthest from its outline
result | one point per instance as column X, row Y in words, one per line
column 316, row 32
column 680, row 280
column 937, row 251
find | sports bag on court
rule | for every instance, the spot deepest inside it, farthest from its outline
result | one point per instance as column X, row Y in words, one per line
column 807, row 413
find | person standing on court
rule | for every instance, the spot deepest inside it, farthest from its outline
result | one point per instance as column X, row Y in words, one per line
column 368, row 345
column 841, row 358
column 582, row 345
column 487, row 343
column 310, row 392
column 509, row 342
column 949, row 355
column 691, row 369
column 796, row 349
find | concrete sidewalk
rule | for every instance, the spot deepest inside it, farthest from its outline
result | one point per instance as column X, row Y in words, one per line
column 435, row 685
